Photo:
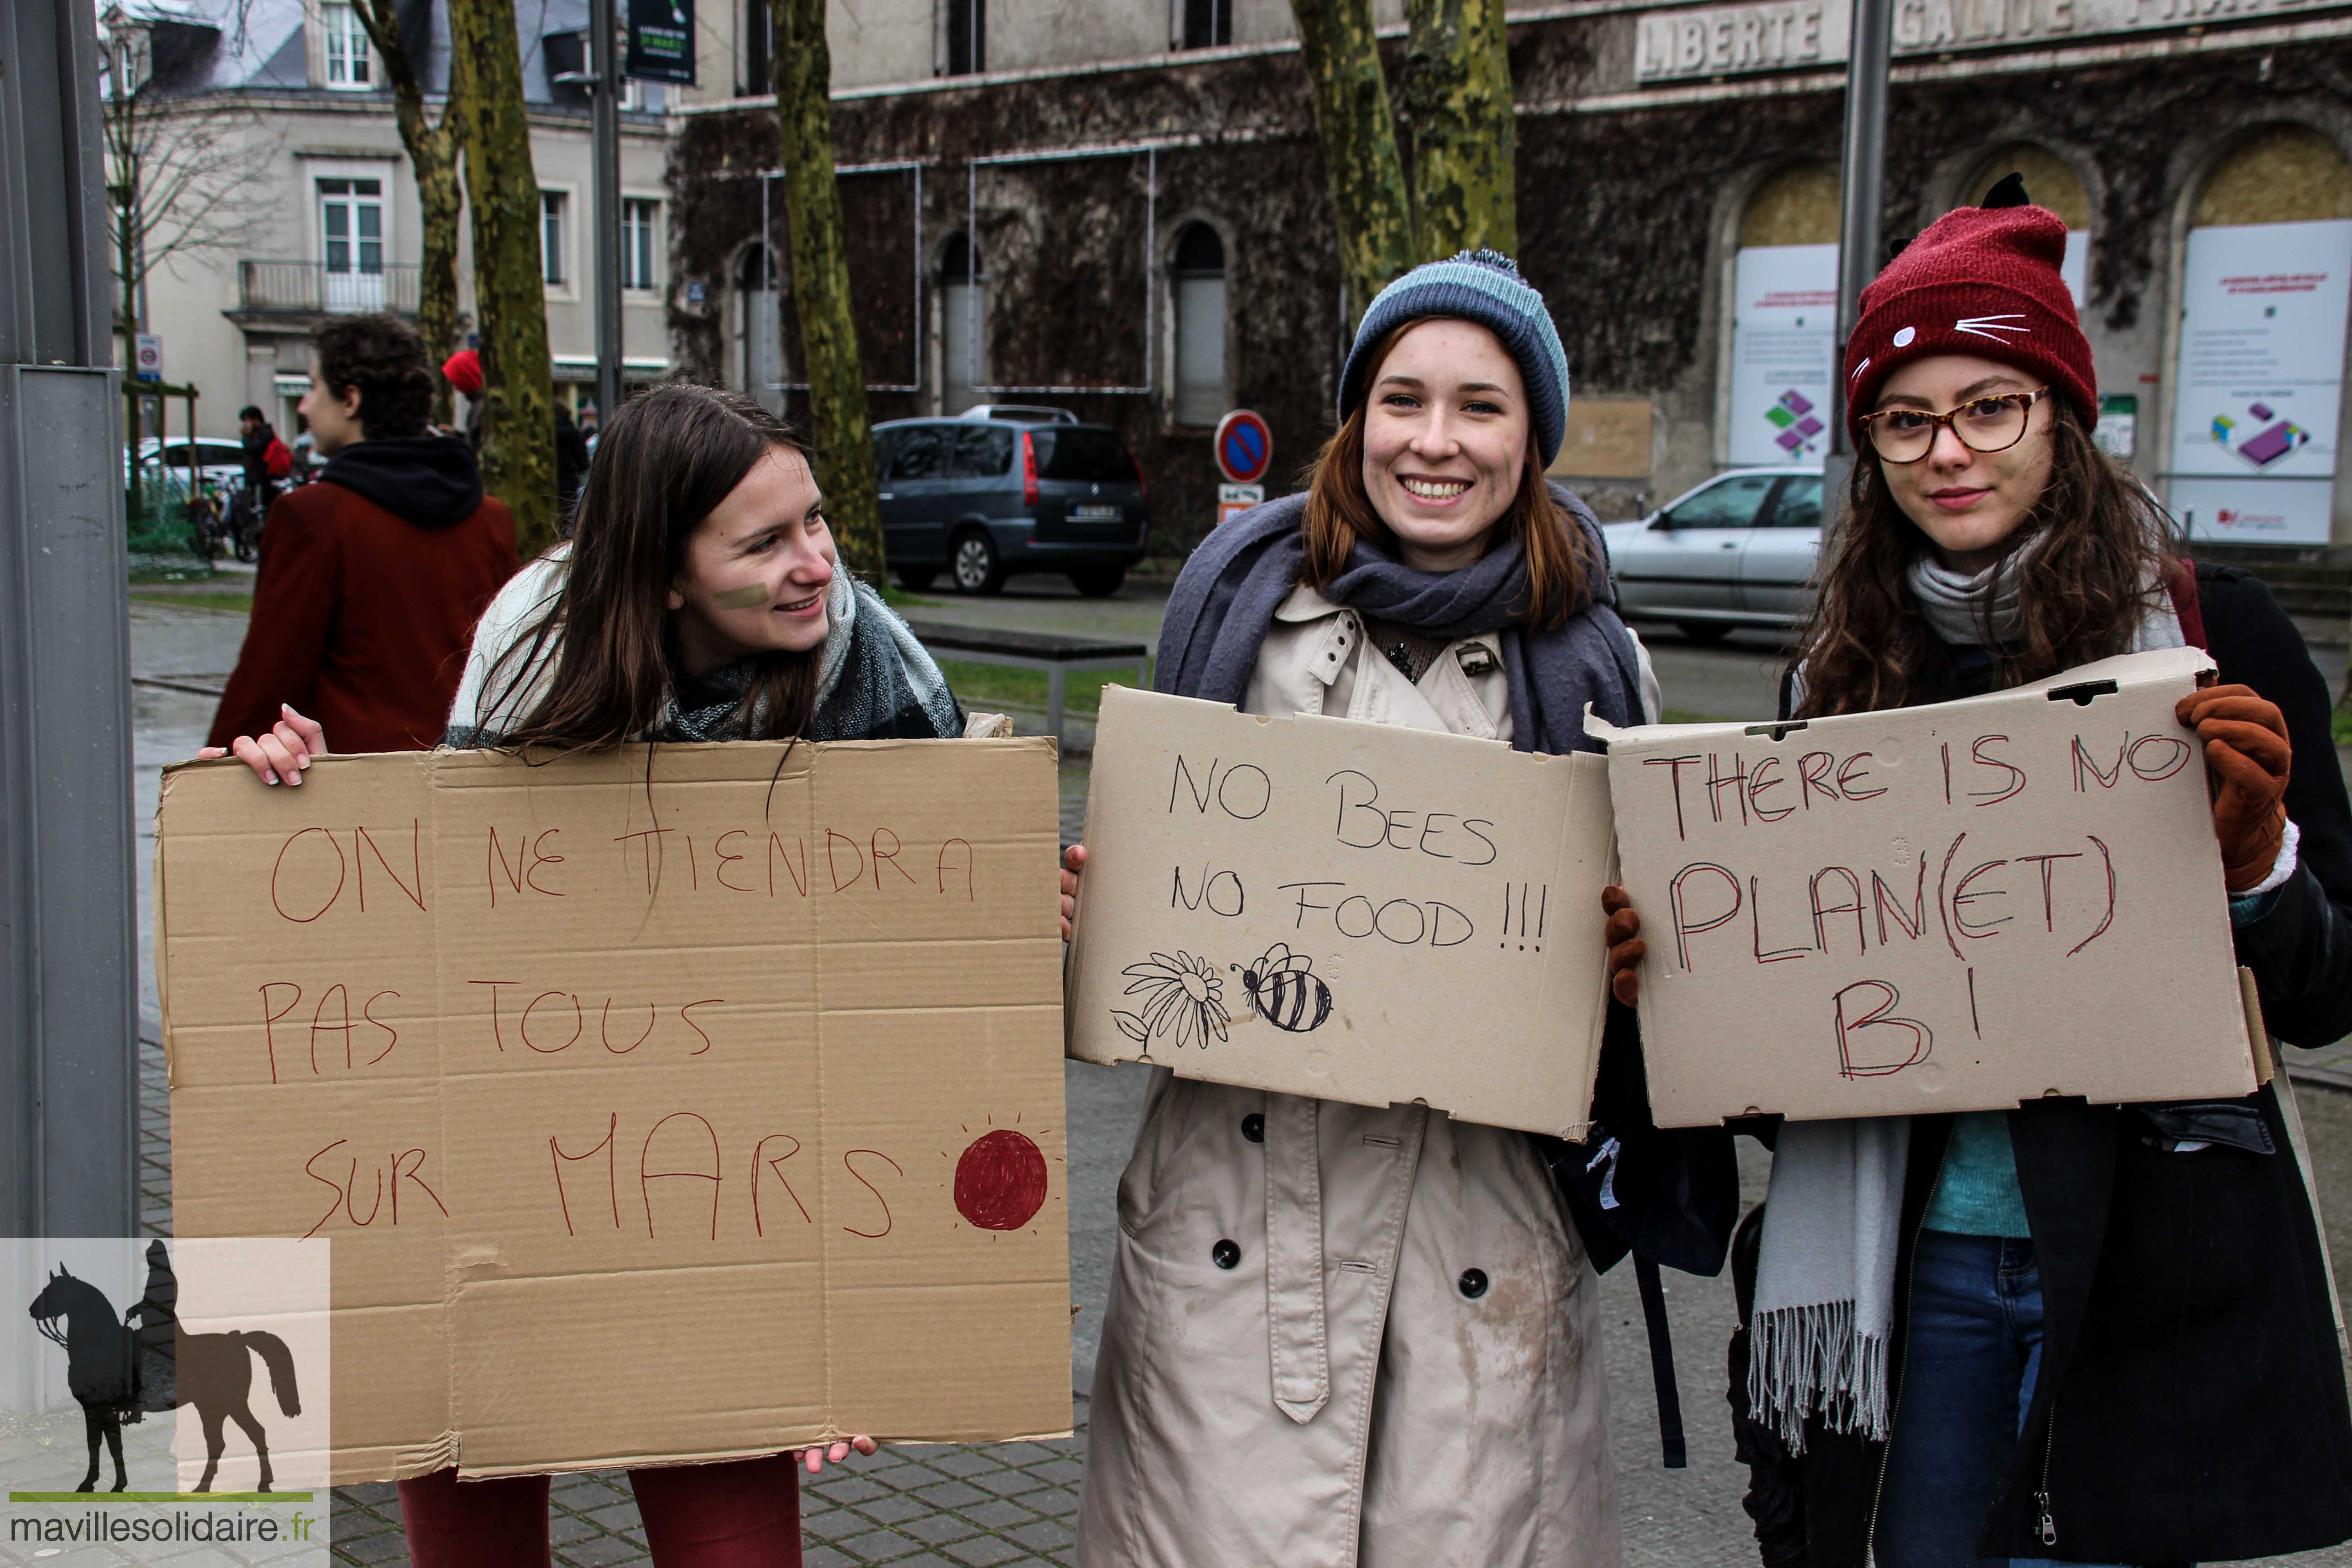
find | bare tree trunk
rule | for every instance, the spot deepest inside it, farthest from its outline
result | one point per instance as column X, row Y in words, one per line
column 1457, row 96
column 509, row 289
column 1359, row 151
column 432, row 154
column 843, row 436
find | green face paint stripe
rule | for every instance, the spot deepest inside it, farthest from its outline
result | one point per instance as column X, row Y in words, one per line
column 742, row 598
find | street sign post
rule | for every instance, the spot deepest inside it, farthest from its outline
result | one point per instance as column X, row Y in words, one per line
column 148, row 349
column 1244, row 446
column 1235, row 499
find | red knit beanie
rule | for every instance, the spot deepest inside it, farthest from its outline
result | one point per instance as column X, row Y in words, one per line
column 1983, row 281
column 463, row 371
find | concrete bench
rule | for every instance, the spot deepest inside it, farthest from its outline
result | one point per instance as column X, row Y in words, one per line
column 1055, row 655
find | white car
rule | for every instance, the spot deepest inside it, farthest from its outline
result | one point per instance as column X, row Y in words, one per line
column 1736, row 552
column 220, row 462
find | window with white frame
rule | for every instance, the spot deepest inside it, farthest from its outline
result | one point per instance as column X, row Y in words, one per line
column 351, row 244
column 551, row 206
column 639, row 224
column 347, row 48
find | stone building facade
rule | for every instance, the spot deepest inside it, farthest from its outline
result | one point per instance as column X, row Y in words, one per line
column 1053, row 227
column 331, row 223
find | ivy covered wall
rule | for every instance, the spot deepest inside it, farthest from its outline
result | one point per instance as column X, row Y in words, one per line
column 1627, row 221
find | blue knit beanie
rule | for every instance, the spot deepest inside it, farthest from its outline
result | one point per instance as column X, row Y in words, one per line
column 1485, row 286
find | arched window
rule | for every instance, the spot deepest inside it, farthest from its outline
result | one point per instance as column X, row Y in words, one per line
column 1784, row 319
column 759, row 328
column 1201, row 391
column 2051, row 182
column 963, row 322
column 2258, row 388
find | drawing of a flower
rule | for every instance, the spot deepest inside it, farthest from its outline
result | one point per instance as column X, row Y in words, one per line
column 1183, row 993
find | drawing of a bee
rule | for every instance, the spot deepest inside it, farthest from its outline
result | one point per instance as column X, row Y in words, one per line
column 1283, row 989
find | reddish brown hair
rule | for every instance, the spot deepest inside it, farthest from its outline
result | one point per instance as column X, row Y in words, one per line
column 1340, row 513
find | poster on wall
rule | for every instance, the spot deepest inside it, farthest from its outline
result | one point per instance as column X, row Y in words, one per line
column 1783, row 353
column 2261, row 369
column 661, row 41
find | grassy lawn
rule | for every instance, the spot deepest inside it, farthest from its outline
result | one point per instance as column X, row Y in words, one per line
column 231, row 603
column 2343, row 721
column 979, row 685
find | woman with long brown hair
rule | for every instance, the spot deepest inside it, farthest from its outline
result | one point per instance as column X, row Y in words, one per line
column 1340, row 1335
column 699, row 598
column 2092, row 1333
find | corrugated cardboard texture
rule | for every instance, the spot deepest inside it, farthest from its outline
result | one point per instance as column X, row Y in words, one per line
column 1951, row 908
column 1353, row 911
column 659, row 1106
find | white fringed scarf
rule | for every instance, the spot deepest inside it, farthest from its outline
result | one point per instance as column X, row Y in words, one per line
column 1832, row 1220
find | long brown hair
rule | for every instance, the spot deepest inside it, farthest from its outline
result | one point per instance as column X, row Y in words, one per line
column 663, row 464
column 2099, row 562
column 1340, row 513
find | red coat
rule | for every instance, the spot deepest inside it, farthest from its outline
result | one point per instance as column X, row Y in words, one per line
column 362, row 618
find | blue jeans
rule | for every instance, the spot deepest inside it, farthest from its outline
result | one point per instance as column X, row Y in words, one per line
column 1974, row 1347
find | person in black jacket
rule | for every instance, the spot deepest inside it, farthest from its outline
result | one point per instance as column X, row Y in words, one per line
column 2111, row 1337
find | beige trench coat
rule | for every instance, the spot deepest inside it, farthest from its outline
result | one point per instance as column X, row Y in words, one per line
column 1339, row 1335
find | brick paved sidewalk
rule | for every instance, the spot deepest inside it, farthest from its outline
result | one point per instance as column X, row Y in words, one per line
column 926, row 1506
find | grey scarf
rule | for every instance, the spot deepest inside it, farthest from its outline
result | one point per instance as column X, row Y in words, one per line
column 875, row 682
column 1225, row 598
column 1962, row 610
column 1832, row 1220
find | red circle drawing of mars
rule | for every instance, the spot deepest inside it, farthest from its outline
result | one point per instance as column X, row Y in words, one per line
column 1000, row 1182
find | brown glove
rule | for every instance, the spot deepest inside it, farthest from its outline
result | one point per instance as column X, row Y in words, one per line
column 2248, row 753
column 1622, row 935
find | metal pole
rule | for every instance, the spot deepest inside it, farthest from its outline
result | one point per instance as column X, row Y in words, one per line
column 68, row 943
column 1863, row 174
column 605, row 90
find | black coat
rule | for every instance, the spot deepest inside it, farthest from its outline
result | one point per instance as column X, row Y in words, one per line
column 2190, row 1405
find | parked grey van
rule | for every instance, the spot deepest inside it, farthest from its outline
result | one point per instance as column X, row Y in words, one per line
column 1003, row 490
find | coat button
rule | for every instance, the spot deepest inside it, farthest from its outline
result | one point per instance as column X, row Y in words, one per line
column 1227, row 1254
column 1474, row 1283
column 1253, row 1128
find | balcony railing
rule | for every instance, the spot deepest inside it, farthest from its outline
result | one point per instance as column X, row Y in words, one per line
column 313, row 287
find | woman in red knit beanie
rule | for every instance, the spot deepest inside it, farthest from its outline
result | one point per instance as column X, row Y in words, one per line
column 2094, row 1334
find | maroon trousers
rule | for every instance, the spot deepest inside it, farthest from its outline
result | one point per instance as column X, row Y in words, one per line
column 742, row 1513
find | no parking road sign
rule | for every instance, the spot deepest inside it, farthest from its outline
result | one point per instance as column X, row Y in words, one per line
column 1244, row 446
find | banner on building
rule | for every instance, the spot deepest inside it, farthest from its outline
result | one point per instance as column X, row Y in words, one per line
column 1783, row 353
column 2261, row 380
column 661, row 41
column 664, row 1105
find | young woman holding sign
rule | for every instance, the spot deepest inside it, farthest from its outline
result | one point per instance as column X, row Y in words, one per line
column 2100, row 1334
column 1341, row 1335
column 702, row 579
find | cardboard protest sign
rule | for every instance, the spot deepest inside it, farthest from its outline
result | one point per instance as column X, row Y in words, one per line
column 659, row 1105
column 1960, row 907
column 1354, row 912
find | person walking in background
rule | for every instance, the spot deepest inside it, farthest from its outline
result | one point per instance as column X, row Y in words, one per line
column 463, row 371
column 372, row 578
column 2087, row 1333
column 571, row 463
column 268, row 462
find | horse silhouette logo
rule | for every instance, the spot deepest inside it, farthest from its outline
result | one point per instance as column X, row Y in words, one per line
column 115, row 1368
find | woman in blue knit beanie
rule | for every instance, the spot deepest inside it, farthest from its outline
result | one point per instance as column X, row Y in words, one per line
column 1337, row 1334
